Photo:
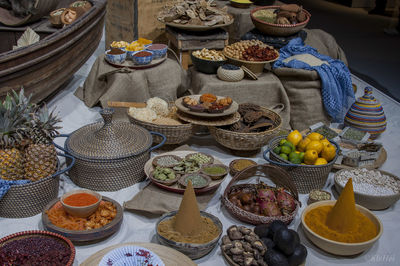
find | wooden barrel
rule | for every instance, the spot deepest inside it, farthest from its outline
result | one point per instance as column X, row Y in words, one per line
column 41, row 8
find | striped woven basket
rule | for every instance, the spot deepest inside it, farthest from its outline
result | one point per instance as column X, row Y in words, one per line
column 174, row 134
column 305, row 177
column 30, row 199
column 247, row 141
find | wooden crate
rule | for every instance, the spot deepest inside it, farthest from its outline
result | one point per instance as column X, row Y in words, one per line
column 130, row 19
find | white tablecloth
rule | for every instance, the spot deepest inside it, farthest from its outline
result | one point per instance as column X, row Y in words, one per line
column 136, row 228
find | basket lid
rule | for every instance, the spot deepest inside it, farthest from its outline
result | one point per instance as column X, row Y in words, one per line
column 108, row 140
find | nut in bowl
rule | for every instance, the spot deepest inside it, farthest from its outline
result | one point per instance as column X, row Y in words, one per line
column 142, row 57
column 81, row 202
column 208, row 61
column 116, row 56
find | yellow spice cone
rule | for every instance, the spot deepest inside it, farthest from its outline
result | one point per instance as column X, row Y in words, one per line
column 342, row 217
column 188, row 219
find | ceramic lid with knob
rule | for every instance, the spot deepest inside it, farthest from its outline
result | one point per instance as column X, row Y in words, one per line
column 367, row 114
column 108, row 140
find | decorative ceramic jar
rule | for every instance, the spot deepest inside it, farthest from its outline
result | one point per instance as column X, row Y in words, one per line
column 367, row 114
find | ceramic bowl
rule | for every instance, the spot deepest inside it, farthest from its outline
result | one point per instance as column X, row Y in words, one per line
column 193, row 251
column 206, row 66
column 158, row 50
column 81, row 211
column 142, row 60
column 183, row 180
column 335, row 247
column 116, row 58
column 214, row 176
column 129, row 54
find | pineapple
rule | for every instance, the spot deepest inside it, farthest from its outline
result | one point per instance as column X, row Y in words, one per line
column 14, row 116
column 40, row 154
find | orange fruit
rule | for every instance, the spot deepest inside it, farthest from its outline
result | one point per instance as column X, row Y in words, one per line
column 315, row 136
column 325, row 142
column 315, row 145
column 320, row 161
column 303, row 144
column 310, row 157
column 294, row 137
column 329, row 152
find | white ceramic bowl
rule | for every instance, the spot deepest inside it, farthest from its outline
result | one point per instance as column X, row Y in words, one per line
column 81, row 211
column 335, row 247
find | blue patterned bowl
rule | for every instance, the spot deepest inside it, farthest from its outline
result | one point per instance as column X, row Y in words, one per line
column 116, row 58
column 158, row 50
column 142, row 60
column 367, row 114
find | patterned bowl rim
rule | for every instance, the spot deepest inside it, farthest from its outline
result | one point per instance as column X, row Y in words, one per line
column 278, row 25
column 125, row 52
column 47, row 233
column 377, row 197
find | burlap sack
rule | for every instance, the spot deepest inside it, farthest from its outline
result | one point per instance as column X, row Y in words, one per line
column 107, row 83
column 303, row 87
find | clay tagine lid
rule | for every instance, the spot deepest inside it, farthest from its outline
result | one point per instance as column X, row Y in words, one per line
column 367, row 114
column 188, row 219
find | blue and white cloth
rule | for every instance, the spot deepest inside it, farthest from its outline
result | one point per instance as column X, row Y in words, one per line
column 337, row 91
column 6, row 184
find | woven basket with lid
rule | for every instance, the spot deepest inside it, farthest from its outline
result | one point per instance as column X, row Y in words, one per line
column 110, row 155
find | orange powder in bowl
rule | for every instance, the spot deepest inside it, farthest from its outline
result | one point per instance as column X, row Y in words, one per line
column 80, row 199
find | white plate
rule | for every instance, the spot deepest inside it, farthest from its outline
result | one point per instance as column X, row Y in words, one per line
column 131, row 256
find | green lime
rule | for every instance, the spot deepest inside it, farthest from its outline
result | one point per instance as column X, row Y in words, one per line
column 284, row 156
column 277, row 150
column 294, row 156
column 282, row 142
column 301, row 156
column 286, row 150
column 296, row 161
column 290, row 145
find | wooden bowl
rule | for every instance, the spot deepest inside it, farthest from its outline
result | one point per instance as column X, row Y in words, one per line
column 86, row 236
column 81, row 211
column 257, row 67
column 187, row 157
column 193, row 251
column 214, row 176
column 169, row 182
column 40, row 233
column 232, row 169
column 277, row 29
column 340, row 248
column 177, row 158
column 372, row 202
column 183, row 183
column 239, row 4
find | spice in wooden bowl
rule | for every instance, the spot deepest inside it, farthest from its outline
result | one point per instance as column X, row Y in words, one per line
column 318, row 195
column 240, row 164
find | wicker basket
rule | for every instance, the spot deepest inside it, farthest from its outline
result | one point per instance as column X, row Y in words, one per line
column 174, row 134
column 305, row 177
column 30, row 199
column 277, row 175
column 277, row 29
column 247, row 141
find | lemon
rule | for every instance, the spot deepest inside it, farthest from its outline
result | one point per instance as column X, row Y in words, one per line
column 294, row 137
column 286, row 150
column 310, row 157
column 303, row 144
column 315, row 145
column 315, row 136
column 284, row 156
column 329, row 152
column 320, row 161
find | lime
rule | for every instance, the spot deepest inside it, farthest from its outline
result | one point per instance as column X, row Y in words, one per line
column 290, row 145
column 286, row 150
column 293, row 155
column 277, row 150
column 301, row 156
column 296, row 161
column 284, row 156
column 282, row 142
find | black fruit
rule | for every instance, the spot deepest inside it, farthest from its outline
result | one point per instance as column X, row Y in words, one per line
column 268, row 242
column 275, row 258
column 262, row 230
column 275, row 226
column 299, row 255
column 285, row 241
column 296, row 236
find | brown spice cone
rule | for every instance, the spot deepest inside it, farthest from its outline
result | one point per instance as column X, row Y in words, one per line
column 188, row 220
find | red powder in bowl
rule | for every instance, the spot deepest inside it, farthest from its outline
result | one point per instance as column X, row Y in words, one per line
column 116, row 51
column 142, row 54
column 157, row 46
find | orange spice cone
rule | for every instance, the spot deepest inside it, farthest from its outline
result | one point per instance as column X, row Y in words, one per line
column 342, row 217
column 188, row 220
